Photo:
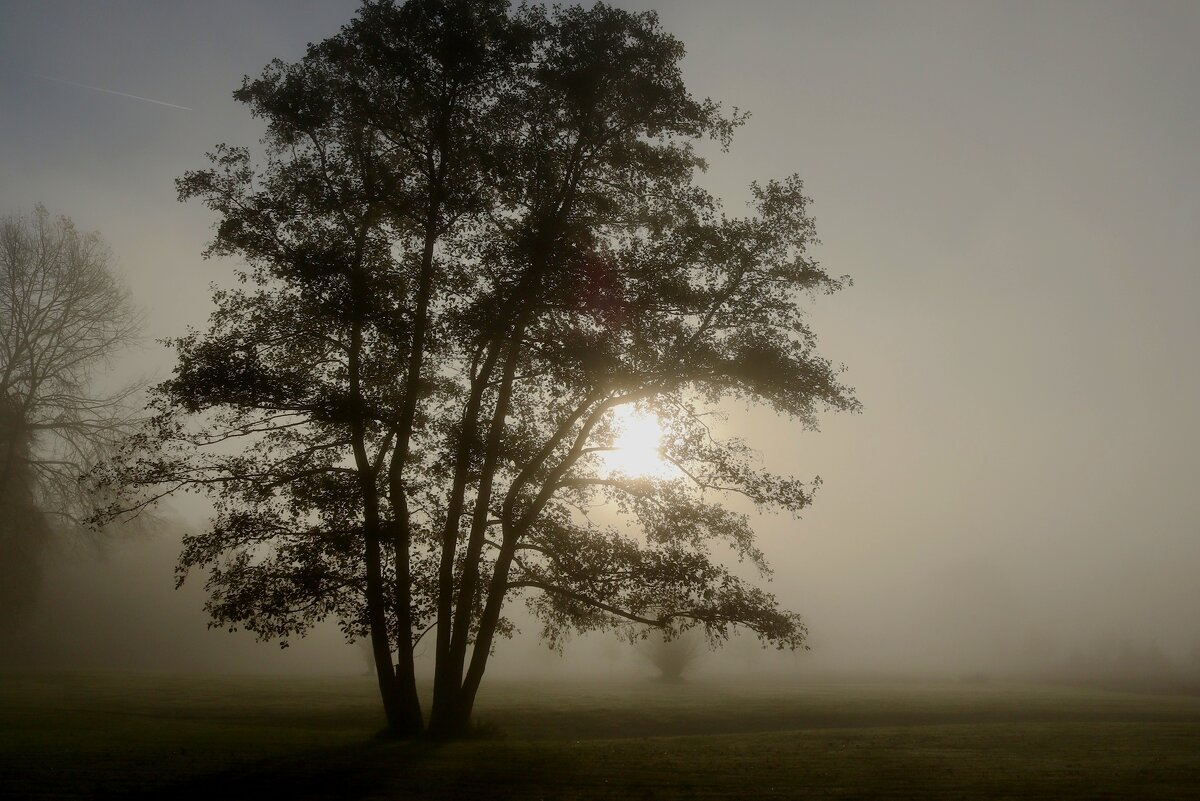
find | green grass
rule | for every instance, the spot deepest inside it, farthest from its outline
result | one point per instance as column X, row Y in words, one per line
column 224, row 737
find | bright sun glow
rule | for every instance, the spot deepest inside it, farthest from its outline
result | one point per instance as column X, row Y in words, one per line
column 638, row 442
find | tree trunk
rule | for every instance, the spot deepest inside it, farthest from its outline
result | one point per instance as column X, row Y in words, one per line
column 406, row 677
column 446, row 682
column 450, row 720
column 405, row 669
column 399, row 713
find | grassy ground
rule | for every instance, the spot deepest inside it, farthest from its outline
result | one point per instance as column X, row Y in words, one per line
column 222, row 737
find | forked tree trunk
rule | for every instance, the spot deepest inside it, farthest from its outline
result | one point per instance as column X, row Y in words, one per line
column 451, row 718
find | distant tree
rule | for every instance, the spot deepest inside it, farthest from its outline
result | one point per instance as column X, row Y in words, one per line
column 368, row 656
column 611, row 650
column 475, row 236
column 1121, row 662
column 673, row 655
column 63, row 317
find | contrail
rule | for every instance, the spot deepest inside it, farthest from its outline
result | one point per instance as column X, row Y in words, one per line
column 114, row 92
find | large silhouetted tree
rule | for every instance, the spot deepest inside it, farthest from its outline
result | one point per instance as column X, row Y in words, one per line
column 474, row 236
column 63, row 317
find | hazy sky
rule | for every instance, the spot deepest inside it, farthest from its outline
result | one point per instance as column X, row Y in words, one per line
column 1014, row 187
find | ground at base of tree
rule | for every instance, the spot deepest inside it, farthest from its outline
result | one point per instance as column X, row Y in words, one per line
column 122, row 736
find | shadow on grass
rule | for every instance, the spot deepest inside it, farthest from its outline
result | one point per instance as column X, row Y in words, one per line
column 343, row 772
column 483, row 766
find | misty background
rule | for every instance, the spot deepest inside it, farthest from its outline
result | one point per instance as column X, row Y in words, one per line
column 1015, row 190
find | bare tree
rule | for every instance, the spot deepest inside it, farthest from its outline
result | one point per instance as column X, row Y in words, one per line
column 63, row 317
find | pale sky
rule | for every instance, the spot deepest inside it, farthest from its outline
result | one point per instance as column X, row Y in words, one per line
column 1014, row 187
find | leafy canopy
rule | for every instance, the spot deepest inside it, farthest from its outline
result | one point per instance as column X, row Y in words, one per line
column 476, row 233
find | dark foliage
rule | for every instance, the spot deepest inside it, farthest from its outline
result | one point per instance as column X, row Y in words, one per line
column 475, row 235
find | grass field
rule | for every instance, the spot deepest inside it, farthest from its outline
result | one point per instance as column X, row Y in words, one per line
column 240, row 737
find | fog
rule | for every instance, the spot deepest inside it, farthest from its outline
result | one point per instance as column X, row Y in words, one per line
column 1014, row 189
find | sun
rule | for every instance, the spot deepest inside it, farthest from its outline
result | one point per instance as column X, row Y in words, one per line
column 637, row 445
